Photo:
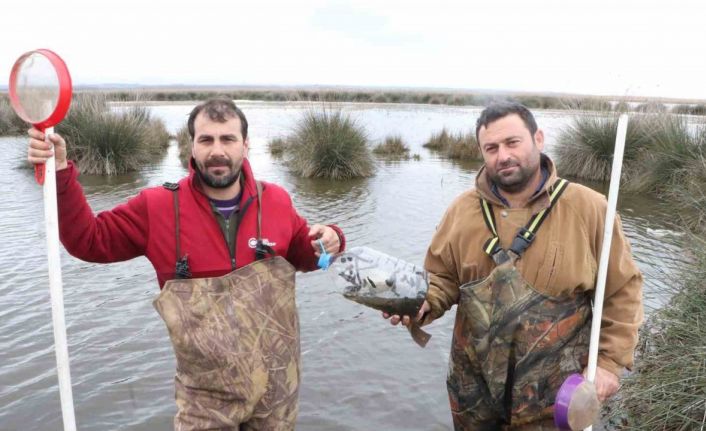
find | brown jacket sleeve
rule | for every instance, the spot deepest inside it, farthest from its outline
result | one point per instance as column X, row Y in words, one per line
column 443, row 289
column 622, row 305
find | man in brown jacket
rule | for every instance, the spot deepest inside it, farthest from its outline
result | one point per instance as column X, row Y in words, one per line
column 519, row 255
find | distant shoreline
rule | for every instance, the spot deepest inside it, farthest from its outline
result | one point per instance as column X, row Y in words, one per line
column 430, row 96
column 284, row 89
column 494, row 94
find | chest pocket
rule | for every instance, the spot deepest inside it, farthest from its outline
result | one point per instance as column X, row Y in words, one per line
column 552, row 275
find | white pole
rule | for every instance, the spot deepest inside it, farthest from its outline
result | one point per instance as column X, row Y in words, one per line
column 605, row 251
column 56, row 292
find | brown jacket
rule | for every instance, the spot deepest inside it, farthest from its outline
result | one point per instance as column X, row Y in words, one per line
column 563, row 258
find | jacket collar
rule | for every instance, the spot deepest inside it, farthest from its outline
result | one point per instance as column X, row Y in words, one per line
column 537, row 202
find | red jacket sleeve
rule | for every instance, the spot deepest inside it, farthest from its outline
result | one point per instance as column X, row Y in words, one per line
column 111, row 236
column 300, row 252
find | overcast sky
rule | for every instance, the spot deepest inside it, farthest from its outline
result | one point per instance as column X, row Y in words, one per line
column 633, row 48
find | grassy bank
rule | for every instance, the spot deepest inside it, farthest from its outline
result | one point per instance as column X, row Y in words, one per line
column 107, row 142
column 666, row 157
column 690, row 195
column 329, row 144
column 10, row 123
column 458, row 146
column 667, row 391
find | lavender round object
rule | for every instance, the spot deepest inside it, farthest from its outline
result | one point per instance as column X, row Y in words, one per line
column 563, row 400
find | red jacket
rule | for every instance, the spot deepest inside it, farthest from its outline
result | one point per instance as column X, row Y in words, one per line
column 145, row 226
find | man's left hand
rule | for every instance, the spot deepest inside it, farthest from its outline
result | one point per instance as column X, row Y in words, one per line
column 607, row 383
column 327, row 235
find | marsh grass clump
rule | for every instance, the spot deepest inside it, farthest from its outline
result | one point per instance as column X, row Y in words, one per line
column 698, row 109
column 392, row 147
column 666, row 161
column 664, row 156
column 585, row 147
column 690, row 195
column 585, row 104
column 667, row 390
column 329, row 144
column 458, row 146
column 10, row 123
column 155, row 135
column 277, row 146
column 464, row 147
column 439, row 141
column 184, row 145
column 108, row 142
column 651, row 108
column 622, row 107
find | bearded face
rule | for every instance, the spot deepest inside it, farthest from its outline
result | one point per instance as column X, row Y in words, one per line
column 218, row 151
column 512, row 155
column 219, row 172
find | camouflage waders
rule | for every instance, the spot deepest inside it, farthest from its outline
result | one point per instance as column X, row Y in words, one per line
column 236, row 341
column 512, row 346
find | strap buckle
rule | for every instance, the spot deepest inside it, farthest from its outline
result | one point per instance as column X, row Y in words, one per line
column 522, row 240
column 182, row 268
column 262, row 250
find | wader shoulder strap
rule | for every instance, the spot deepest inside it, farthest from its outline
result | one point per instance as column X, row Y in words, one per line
column 261, row 249
column 492, row 245
column 182, row 265
column 526, row 234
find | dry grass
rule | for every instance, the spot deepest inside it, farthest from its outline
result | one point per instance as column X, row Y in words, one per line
column 329, row 144
column 667, row 391
column 666, row 162
column 10, row 123
column 455, row 146
column 392, row 147
column 184, row 144
column 585, row 147
column 277, row 147
column 108, row 142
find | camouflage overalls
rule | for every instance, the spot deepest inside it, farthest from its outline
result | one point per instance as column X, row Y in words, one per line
column 236, row 340
column 512, row 346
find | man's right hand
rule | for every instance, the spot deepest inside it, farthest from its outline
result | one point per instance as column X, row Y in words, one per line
column 40, row 150
column 406, row 320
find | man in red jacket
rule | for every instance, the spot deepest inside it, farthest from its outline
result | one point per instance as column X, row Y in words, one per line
column 225, row 248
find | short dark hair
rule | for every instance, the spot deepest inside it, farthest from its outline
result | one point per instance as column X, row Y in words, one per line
column 498, row 110
column 218, row 109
